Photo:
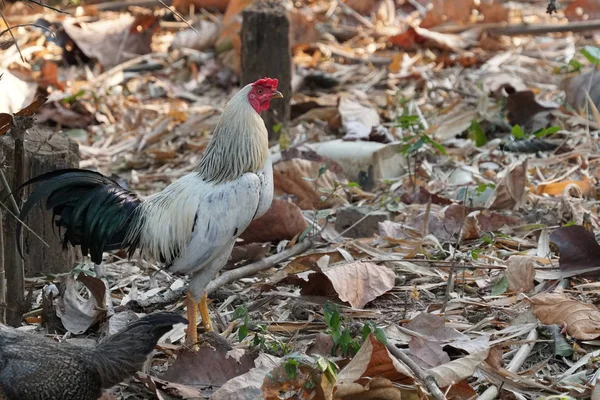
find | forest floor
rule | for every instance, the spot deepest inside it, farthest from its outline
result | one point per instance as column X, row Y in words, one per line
column 433, row 228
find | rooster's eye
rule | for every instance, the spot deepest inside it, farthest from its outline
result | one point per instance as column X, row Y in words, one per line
column 259, row 91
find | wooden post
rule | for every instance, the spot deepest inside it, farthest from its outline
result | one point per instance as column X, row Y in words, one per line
column 45, row 151
column 266, row 53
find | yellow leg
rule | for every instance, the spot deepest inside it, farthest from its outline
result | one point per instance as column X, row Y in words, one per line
column 192, row 316
column 204, row 315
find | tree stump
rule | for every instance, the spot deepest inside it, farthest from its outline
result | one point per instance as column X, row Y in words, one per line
column 266, row 53
column 45, row 151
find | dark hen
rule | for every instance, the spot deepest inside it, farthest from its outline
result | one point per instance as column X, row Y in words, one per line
column 35, row 368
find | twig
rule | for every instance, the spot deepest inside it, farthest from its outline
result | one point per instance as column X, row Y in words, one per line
column 421, row 375
column 179, row 16
column 48, row 7
column 12, row 35
column 233, row 275
column 13, row 202
column 514, row 365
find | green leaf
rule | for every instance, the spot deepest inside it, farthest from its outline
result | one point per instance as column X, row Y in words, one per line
column 592, row 53
column 322, row 364
column 570, row 223
column 240, row 312
column 323, row 169
column 439, row 147
column 276, row 128
column 366, row 330
column 353, row 184
column 546, row 131
column 500, row 287
column 483, row 187
column 576, row 65
column 517, row 132
column 477, row 134
column 305, row 233
column 291, row 368
column 242, row 332
column 475, row 254
column 345, row 341
column 73, row 98
column 380, row 335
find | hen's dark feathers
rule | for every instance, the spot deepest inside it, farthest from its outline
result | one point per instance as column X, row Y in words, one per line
column 34, row 368
column 94, row 210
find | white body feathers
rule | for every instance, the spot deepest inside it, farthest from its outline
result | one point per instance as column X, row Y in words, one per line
column 193, row 223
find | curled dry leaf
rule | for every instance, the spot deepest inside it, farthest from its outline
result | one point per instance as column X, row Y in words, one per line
column 581, row 320
column 375, row 389
column 76, row 312
column 301, row 178
column 578, row 87
column 457, row 370
column 558, row 188
column 578, row 248
column 510, row 191
column 360, row 282
column 373, row 360
column 282, row 221
column 248, row 385
column 520, row 273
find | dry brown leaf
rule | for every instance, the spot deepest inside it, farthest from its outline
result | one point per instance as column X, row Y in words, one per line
column 581, row 320
column 434, row 326
column 457, row 370
column 578, row 87
column 520, row 273
column 282, row 221
column 426, row 353
column 510, row 191
column 582, row 10
column 289, row 177
column 248, row 385
column 360, row 282
column 76, row 312
column 493, row 11
column 373, row 360
column 113, row 41
column 375, row 389
column 207, row 367
column 443, row 11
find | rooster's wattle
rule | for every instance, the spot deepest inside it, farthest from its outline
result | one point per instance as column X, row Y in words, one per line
column 193, row 223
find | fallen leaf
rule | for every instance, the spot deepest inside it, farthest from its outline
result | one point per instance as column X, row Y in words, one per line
column 578, row 88
column 524, row 110
column 434, row 327
column 520, row 272
column 582, row 10
column 357, row 120
column 207, row 367
column 493, row 11
column 304, row 180
column 558, row 188
column 457, row 370
column 76, row 312
column 360, row 282
column 427, row 353
column 510, row 192
column 115, row 40
column 282, row 221
column 373, row 360
column 444, row 11
column 68, row 116
column 581, row 320
column 375, row 389
column 578, row 248
column 248, row 385
column 415, row 37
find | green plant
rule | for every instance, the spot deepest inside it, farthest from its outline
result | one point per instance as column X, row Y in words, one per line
column 342, row 336
column 260, row 340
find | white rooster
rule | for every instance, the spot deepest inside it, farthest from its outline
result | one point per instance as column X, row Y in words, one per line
column 193, row 223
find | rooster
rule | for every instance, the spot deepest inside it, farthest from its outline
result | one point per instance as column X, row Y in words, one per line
column 190, row 226
column 35, row 368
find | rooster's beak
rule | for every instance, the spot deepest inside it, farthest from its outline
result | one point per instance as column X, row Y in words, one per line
column 277, row 95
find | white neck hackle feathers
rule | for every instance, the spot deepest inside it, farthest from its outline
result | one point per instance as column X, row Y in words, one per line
column 239, row 143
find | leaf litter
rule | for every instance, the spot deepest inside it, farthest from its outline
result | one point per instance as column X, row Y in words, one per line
column 443, row 167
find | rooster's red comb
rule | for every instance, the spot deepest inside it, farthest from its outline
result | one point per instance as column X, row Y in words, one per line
column 268, row 82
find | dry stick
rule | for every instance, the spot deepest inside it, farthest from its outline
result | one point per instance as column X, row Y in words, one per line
column 12, row 35
column 514, row 365
column 234, row 275
column 421, row 375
